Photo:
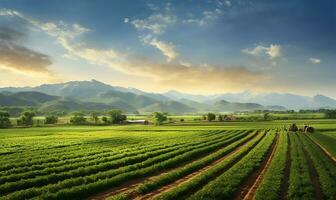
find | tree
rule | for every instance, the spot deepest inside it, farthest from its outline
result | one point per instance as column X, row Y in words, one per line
column 94, row 117
column 182, row 120
column 4, row 120
column 211, row 117
column 78, row 118
column 220, row 118
column 105, row 120
column 267, row 116
column 159, row 118
column 116, row 116
column 330, row 114
column 51, row 119
column 26, row 118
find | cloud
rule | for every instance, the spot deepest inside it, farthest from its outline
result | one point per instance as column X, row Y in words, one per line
column 207, row 17
column 167, row 49
column 315, row 60
column 227, row 2
column 16, row 57
column 273, row 51
column 126, row 20
column 172, row 74
column 156, row 23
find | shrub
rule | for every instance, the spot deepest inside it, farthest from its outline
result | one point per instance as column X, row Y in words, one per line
column 51, row 119
column 4, row 120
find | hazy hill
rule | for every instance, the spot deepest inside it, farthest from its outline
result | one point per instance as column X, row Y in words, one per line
column 173, row 107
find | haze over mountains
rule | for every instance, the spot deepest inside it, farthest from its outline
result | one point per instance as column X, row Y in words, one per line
column 95, row 95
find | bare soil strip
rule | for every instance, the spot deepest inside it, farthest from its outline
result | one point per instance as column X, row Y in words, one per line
column 259, row 175
column 313, row 173
column 188, row 178
column 285, row 181
column 130, row 185
column 333, row 158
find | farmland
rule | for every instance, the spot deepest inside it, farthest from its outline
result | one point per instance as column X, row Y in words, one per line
column 191, row 160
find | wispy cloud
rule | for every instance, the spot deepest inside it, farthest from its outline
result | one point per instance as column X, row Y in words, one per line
column 167, row 49
column 273, row 51
column 156, row 23
column 315, row 60
column 207, row 17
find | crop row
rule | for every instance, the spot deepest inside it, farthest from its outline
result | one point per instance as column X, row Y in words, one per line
column 204, row 177
column 325, row 168
column 270, row 187
column 190, row 168
column 52, row 161
column 83, row 171
column 227, row 184
column 153, row 164
column 300, row 185
column 88, row 162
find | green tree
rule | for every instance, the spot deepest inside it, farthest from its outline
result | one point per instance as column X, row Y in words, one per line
column 211, row 117
column 78, row 118
column 220, row 118
column 159, row 118
column 26, row 118
column 330, row 114
column 105, row 120
column 4, row 120
column 267, row 116
column 51, row 119
column 95, row 117
column 116, row 116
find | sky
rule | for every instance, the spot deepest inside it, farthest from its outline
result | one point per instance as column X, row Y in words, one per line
column 194, row 46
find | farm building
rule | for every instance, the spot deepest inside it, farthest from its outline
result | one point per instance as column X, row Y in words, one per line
column 138, row 121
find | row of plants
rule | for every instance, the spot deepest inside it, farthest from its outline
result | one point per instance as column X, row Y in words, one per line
column 228, row 183
column 270, row 187
column 300, row 185
column 205, row 177
column 144, row 168
column 325, row 168
column 83, row 171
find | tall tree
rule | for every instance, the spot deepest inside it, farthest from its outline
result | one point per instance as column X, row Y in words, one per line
column 159, row 118
column 26, row 118
column 4, row 119
column 116, row 116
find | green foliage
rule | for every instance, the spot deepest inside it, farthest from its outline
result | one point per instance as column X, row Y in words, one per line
column 95, row 117
column 4, row 120
column 159, row 118
column 116, row 116
column 51, row 119
column 105, row 120
column 78, row 119
column 211, row 117
column 267, row 116
column 26, row 118
column 330, row 114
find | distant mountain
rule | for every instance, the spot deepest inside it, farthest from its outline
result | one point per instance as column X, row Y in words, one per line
column 103, row 96
column 173, row 107
column 25, row 98
column 223, row 105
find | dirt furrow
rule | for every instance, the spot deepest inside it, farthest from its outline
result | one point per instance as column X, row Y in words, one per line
column 129, row 186
column 251, row 193
column 250, row 184
column 190, row 176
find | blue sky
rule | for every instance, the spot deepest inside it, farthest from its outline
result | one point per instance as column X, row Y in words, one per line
column 210, row 46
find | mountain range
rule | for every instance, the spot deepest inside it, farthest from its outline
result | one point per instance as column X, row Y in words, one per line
column 95, row 95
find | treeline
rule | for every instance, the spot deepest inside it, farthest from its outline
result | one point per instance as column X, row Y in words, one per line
column 26, row 119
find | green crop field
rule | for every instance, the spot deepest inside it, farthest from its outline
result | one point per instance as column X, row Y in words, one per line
column 190, row 160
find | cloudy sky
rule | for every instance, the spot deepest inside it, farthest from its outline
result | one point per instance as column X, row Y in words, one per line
column 209, row 46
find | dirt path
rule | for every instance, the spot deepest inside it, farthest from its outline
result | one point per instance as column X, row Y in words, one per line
column 189, row 177
column 313, row 173
column 285, row 182
column 131, row 185
column 254, row 182
column 333, row 158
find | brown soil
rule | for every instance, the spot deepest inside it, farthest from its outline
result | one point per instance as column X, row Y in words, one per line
column 193, row 175
column 248, row 188
column 129, row 186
